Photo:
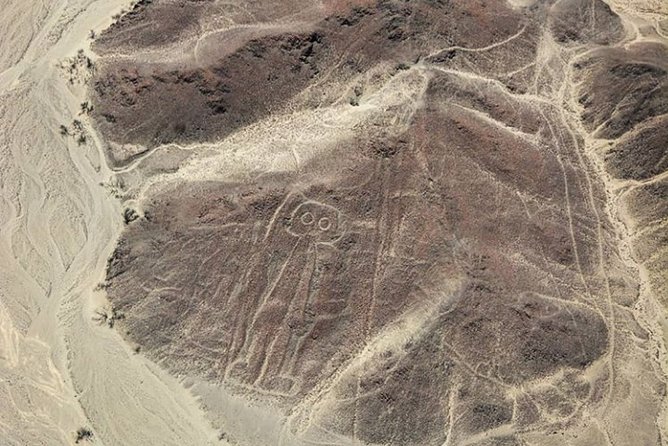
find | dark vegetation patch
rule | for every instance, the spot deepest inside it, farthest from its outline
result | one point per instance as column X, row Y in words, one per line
column 83, row 434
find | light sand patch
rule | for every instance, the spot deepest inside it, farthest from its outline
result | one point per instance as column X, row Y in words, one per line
column 59, row 371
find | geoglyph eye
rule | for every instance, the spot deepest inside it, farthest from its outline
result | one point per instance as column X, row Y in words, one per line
column 317, row 220
column 307, row 218
column 324, row 223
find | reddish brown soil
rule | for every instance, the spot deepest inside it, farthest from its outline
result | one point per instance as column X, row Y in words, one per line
column 274, row 285
column 410, row 287
column 198, row 104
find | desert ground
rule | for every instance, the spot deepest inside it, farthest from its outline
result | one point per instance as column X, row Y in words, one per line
column 334, row 222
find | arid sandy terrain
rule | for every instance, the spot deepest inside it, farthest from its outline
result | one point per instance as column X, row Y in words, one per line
column 336, row 222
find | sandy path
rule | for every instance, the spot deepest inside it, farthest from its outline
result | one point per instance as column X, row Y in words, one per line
column 59, row 370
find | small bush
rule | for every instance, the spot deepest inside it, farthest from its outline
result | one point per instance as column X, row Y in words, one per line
column 129, row 215
column 83, row 433
column 101, row 286
column 86, row 107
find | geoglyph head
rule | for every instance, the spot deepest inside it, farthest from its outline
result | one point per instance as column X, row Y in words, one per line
column 321, row 222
